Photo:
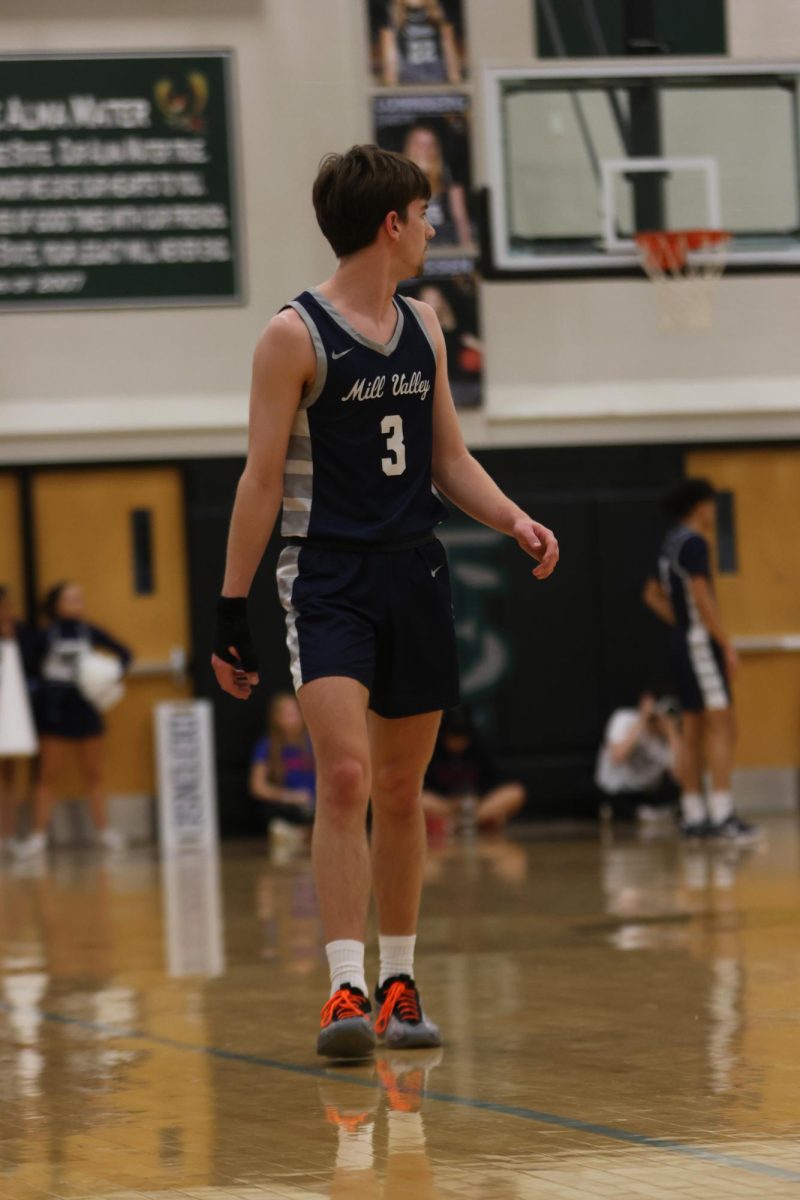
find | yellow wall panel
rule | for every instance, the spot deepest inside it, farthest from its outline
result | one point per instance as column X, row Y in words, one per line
column 763, row 596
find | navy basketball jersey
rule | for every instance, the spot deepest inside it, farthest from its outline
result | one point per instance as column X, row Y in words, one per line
column 420, row 50
column 358, row 467
column 684, row 555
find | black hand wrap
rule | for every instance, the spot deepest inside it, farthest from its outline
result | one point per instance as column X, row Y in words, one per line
column 232, row 630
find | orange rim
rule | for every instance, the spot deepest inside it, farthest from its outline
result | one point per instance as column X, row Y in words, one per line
column 667, row 249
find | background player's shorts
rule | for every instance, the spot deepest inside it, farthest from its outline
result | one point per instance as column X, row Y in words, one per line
column 382, row 617
column 699, row 671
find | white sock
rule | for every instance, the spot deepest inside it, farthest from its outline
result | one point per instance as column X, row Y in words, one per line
column 692, row 808
column 397, row 956
column 720, row 806
column 346, row 963
column 406, row 1132
column 355, row 1152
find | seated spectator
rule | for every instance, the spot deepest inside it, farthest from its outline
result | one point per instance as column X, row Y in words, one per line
column 639, row 759
column 463, row 788
column 282, row 771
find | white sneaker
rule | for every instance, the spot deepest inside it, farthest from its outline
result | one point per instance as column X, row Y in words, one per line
column 111, row 839
column 651, row 814
column 285, row 833
column 29, row 847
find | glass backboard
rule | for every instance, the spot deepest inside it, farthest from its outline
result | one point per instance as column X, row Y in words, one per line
column 721, row 143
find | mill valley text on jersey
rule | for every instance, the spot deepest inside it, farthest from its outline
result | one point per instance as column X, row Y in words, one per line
column 358, row 466
column 364, row 389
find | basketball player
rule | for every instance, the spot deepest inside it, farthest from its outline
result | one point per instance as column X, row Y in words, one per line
column 351, row 423
column 703, row 663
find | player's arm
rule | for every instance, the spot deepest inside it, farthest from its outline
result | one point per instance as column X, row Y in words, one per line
column 674, row 754
column 463, row 480
column 260, row 785
column 622, row 747
column 283, row 364
column 390, row 59
column 708, row 611
column 263, row 789
column 458, row 207
column 620, row 751
column 655, row 597
column 452, row 58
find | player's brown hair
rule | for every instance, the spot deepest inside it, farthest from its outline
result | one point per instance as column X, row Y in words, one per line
column 353, row 192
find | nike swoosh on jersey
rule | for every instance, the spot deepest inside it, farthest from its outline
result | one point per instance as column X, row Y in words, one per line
column 433, row 573
column 341, row 353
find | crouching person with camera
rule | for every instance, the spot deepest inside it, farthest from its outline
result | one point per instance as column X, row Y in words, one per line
column 79, row 673
column 638, row 765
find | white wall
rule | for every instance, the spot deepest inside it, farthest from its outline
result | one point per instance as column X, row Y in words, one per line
column 567, row 362
column 94, row 383
column 764, row 29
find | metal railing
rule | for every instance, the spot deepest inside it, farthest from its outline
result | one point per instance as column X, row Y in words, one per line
column 770, row 643
column 175, row 666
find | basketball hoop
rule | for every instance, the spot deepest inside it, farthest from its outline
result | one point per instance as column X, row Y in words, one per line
column 684, row 264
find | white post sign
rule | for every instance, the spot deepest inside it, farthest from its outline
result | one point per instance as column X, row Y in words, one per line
column 187, row 792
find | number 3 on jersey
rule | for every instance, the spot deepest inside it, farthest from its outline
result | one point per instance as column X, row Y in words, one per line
column 392, row 427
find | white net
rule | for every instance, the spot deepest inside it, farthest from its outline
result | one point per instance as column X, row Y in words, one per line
column 685, row 266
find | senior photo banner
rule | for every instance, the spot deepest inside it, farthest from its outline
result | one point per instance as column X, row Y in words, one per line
column 417, row 42
column 450, row 286
column 433, row 131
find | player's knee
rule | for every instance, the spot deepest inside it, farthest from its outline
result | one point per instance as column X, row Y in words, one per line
column 692, row 735
column 345, row 784
column 47, row 775
column 397, row 787
column 516, row 797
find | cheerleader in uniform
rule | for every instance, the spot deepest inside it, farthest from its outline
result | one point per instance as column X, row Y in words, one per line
column 65, row 717
column 17, row 732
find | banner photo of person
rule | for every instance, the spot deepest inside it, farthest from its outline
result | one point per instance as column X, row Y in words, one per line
column 417, row 42
column 450, row 286
column 433, row 131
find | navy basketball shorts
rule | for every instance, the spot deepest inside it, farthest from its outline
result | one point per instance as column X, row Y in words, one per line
column 383, row 617
column 699, row 671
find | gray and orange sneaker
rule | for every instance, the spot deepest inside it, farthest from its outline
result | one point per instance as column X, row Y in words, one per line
column 345, row 1028
column 401, row 1023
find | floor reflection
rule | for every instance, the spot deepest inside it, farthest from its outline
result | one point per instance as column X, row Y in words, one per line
column 193, row 913
column 620, row 1021
column 355, row 1111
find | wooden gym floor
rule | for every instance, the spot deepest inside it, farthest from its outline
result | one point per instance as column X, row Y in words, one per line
column 622, row 1020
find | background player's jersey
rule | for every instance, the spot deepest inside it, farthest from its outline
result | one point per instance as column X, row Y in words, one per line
column 358, row 467
column 684, row 554
column 420, row 49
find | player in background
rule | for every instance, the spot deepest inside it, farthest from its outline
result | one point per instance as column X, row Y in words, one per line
column 351, row 423
column 703, row 662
